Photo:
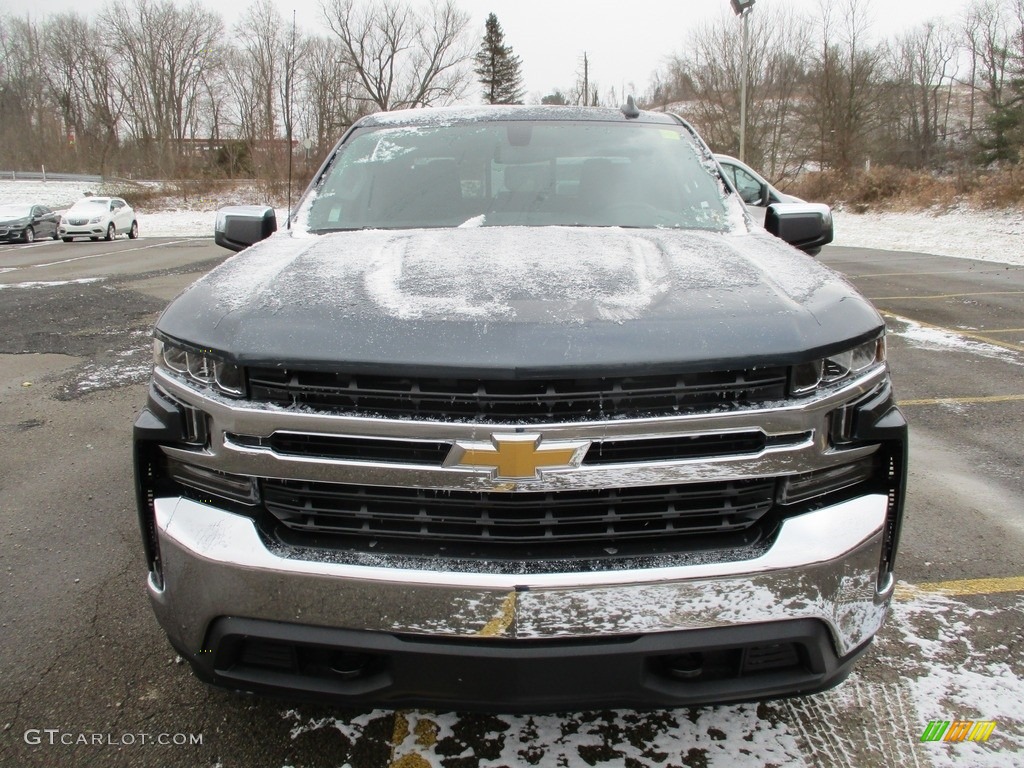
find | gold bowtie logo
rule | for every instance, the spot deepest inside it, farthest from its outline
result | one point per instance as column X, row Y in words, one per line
column 516, row 457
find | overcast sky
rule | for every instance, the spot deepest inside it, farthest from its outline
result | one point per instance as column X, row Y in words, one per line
column 625, row 40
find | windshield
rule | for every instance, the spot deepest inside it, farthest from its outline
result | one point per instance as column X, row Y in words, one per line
column 100, row 203
column 12, row 211
column 520, row 173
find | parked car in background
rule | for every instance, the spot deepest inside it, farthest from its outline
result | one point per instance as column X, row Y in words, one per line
column 756, row 192
column 96, row 217
column 26, row 222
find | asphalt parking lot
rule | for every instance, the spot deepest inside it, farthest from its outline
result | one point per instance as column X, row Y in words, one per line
column 88, row 678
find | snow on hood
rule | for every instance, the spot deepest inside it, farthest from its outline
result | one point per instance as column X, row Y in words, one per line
column 618, row 274
column 521, row 298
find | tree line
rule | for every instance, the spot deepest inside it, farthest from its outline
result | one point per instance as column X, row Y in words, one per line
column 163, row 88
column 824, row 93
column 158, row 87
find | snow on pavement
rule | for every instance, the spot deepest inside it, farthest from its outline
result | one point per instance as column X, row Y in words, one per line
column 932, row 672
column 962, row 233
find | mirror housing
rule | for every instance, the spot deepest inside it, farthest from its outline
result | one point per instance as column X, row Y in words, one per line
column 807, row 226
column 239, row 226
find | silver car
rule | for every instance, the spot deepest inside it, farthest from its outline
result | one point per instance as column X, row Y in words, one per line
column 756, row 191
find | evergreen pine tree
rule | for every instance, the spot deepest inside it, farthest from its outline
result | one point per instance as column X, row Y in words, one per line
column 1004, row 140
column 497, row 67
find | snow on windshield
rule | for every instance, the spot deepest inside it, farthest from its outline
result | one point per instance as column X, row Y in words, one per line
column 520, row 173
column 101, row 203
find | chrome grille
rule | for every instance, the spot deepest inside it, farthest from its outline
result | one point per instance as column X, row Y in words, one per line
column 544, row 523
column 518, row 400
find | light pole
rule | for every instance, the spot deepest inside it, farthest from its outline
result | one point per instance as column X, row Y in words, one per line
column 742, row 8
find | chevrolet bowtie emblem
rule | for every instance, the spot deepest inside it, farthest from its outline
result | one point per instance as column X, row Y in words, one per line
column 516, row 457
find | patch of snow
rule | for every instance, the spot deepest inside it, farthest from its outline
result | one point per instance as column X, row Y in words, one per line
column 937, row 674
column 952, row 680
column 960, row 233
column 53, row 194
column 116, row 368
column 51, row 283
column 926, row 337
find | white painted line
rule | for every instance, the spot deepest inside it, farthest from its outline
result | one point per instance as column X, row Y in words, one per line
column 111, row 253
column 52, row 283
column 33, row 244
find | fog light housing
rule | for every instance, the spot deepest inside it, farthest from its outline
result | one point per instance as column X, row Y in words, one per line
column 240, row 488
column 797, row 488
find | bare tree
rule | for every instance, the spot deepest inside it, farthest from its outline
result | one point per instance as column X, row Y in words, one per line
column 704, row 84
column 845, row 85
column 27, row 121
column 80, row 76
column 403, row 58
column 162, row 49
column 584, row 92
column 261, row 43
column 922, row 64
column 329, row 86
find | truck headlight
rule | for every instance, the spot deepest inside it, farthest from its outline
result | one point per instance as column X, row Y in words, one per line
column 836, row 368
column 199, row 368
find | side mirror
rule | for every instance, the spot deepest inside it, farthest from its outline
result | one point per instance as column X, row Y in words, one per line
column 807, row 226
column 766, row 194
column 759, row 196
column 239, row 226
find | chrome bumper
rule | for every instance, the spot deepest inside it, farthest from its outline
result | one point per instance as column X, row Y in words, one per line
column 823, row 565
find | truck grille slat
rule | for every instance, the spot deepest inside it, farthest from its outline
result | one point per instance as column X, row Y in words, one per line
column 528, row 400
column 530, row 518
column 433, row 453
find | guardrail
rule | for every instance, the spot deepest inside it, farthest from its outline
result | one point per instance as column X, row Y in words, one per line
column 48, row 176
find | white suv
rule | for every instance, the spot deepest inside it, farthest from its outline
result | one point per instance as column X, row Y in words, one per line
column 96, row 217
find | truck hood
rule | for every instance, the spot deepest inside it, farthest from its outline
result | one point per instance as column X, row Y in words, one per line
column 521, row 301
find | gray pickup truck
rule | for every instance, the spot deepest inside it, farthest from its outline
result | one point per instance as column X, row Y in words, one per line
column 521, row 411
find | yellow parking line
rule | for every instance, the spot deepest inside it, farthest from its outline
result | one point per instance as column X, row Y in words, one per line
column 962, row 400
column 425, row 729
column 948, row 295
column 1007, row 330
column 928, row 274
column 961, row 587
column 956, row 331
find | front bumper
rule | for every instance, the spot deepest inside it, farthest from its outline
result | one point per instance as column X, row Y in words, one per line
column 246, row 617
column 85, row 230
